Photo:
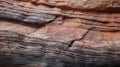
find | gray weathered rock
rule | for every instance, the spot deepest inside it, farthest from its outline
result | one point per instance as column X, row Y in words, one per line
column 59, row 33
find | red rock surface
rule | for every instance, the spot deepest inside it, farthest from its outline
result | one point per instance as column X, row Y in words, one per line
column 70, row 25
column 60, row 33
column 78, row 4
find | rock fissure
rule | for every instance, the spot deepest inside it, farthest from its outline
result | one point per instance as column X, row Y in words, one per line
column 60, row 33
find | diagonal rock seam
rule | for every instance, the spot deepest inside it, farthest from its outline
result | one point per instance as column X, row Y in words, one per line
column 21, row 45
column 72, row 42
column 60, row 33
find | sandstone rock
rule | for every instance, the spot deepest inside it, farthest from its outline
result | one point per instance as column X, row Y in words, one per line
column 79, row 4
column 60, row 33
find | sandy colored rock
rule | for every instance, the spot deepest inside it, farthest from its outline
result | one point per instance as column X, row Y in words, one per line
column 58, row 24
column 79, row 4
column 60, row 33
column 20, row 28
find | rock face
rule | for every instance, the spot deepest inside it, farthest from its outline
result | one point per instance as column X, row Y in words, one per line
column 75, row 4
column 70, row 33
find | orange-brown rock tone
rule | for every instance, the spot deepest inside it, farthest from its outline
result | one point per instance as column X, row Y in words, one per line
column 60, row 33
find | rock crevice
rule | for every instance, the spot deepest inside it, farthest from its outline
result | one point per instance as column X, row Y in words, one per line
column 78, row 32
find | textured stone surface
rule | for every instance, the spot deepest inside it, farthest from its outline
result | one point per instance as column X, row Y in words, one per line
column 78, row 4
column 60, row 33
column 16, row 48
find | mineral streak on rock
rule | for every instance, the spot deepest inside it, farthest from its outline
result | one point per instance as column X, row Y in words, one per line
column 60, row 33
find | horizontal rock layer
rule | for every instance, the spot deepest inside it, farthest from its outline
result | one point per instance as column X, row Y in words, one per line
column 42, row 15
column 78, row 4
column 64, row 33
column 20, row 49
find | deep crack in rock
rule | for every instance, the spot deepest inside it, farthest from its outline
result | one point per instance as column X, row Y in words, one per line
column 60, row 33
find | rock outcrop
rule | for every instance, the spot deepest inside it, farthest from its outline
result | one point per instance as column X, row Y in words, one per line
column 70, row 33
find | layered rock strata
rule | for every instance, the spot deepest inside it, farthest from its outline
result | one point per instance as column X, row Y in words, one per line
column 83, row 33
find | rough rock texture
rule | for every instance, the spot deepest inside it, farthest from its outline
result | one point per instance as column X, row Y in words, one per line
column 78, row 4
column 60, row 33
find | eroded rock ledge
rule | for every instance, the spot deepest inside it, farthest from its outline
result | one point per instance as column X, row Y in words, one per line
column 81, row 33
